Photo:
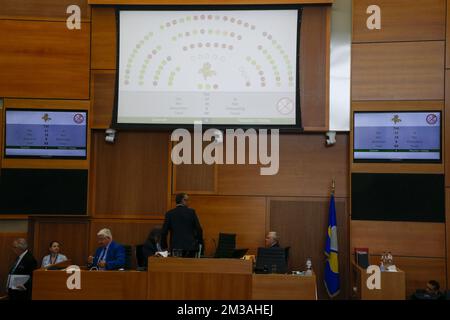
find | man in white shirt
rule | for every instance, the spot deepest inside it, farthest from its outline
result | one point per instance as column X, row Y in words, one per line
column 25, row 263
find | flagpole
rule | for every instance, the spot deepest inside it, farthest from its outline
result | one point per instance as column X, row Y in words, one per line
column 333, row 186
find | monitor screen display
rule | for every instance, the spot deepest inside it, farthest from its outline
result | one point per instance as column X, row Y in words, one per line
column 230, row 67
column 45, row 133
column 397, row 136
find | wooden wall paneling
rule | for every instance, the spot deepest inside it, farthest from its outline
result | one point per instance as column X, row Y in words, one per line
column 130, row 176
column 414, row 239
column 194, row 178
column 447, row 37
column 45, row 163
column 314, row 65
column 244, row 216
column 7, row 257
column 398, row 71
column 103, row 55
column 306, row 168
column 302, row 224
column 54, row 10
column 71, row 232
column 103, row 91
column 437, row 168
column 44, row 60
column 419, row 271
column 401, row 20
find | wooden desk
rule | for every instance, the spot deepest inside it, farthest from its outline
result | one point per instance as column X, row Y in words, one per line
column 199, row 279
column 283, row 287
column 176, row 278
column 393, row 285
column 95, row 285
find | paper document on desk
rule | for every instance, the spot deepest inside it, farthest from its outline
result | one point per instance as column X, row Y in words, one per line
column 18, row 280
column 164, row 254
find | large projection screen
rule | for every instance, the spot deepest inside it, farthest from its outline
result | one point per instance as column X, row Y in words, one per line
column 228, row 67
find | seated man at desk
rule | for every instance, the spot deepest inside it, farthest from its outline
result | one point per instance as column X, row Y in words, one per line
column 431, row 292
column 110, row 255
column 54, row 257
column 272, row 240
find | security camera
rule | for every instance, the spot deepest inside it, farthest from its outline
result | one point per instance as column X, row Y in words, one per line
column 331, row 138
column 110, row 135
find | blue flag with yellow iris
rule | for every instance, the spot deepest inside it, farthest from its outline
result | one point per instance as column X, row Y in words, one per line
column 331, row 251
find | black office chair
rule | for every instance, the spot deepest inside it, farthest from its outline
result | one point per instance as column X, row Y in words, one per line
column 286, row 253
column 226, row 246
column 128, row 255
column 140, row 259
column 271, row 260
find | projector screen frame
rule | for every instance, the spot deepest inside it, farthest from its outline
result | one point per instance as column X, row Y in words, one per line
column 84, row 158
column 296, row 128
column 417, row 161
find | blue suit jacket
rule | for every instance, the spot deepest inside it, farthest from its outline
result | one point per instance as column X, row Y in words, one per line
column 115, row 257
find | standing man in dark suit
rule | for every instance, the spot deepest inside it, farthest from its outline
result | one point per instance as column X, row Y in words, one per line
column 186, row 234
column 24, row 265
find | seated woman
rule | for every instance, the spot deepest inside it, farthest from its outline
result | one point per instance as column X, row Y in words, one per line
column 55, row 256
column 152, row 245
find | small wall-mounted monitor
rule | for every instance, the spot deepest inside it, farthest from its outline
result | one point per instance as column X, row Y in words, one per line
column 407, row 136
column 45, row 133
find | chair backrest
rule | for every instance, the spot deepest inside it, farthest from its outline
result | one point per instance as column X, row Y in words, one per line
column 286, row 253
column 140, row 259
column 226, row 245
column 128, row 255
column 271, row 260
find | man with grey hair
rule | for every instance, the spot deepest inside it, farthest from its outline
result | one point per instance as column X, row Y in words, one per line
column 109, row 255
column 21, row 271
column 272, row 240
